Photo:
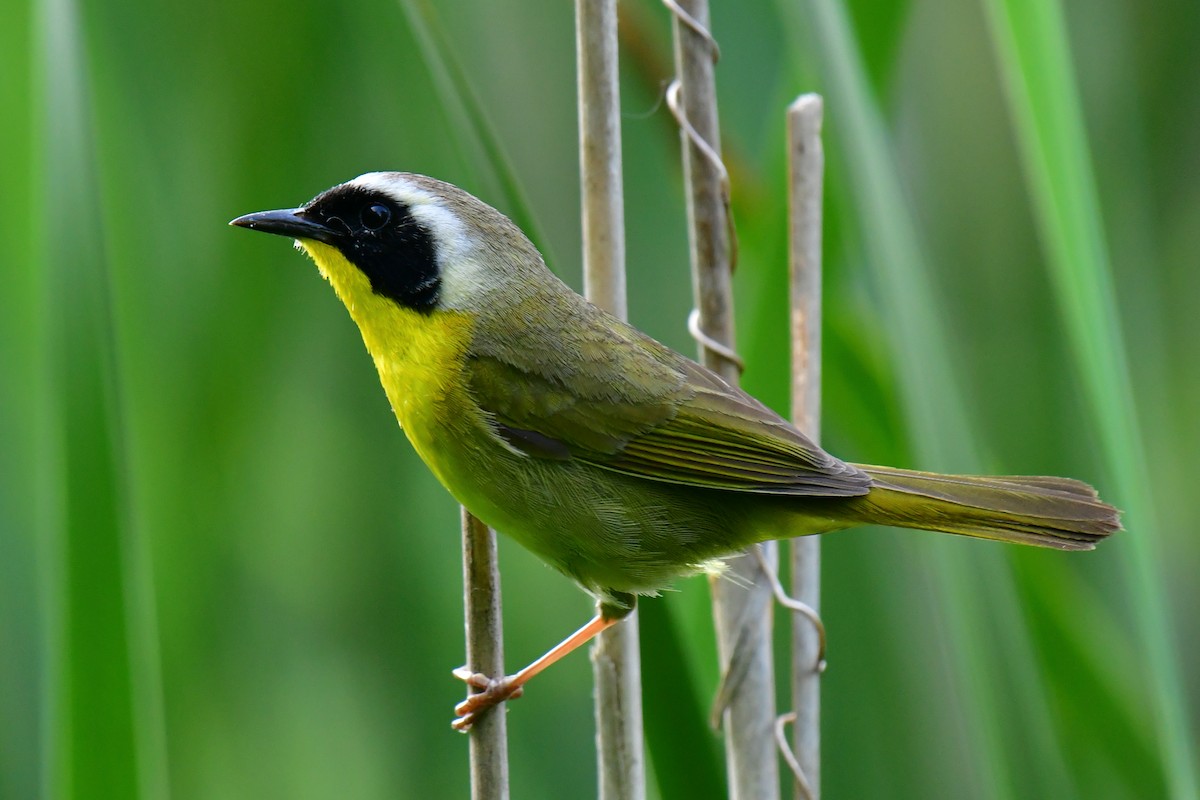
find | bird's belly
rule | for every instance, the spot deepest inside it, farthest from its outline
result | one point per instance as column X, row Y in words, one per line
column 606, row 530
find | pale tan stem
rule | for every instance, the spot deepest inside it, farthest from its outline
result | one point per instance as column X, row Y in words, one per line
column 485, row 654
column 742, row 602
column 806, row 167
column 616, row 662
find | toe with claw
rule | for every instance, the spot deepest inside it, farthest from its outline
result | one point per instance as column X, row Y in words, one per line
column 488, row 692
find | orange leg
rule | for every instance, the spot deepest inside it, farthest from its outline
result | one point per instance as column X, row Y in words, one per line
column 493, row 692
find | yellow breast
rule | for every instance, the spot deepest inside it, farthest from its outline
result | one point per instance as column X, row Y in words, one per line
column 419, row 356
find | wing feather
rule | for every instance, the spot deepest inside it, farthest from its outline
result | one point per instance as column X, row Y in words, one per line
column 612, row 397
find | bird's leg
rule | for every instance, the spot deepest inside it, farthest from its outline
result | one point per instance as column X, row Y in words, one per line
column 492, row 691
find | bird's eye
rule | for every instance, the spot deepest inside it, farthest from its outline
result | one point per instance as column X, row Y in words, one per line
column 375, row 216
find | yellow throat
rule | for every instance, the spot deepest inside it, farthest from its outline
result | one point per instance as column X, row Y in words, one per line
column 418, row 355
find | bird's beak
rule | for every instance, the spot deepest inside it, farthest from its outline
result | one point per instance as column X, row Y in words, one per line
column 289, row 222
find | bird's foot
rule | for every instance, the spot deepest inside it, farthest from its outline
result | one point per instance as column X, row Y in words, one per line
column 488, row 692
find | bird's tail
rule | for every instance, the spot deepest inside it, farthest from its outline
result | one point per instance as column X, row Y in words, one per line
column 1047, row 512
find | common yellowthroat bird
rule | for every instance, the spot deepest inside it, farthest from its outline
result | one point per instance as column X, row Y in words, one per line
column 615, row 459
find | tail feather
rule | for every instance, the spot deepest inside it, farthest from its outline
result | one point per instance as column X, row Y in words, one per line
column 1059, row 513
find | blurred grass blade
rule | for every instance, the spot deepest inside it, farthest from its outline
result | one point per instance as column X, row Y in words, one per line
column 973, row 585
column 101, row 669
column 1096, row 657
column 1034, row 54
column 23, row 397
column 939, row 430
column 894, row 254
column 468, row 122
column 682, row 749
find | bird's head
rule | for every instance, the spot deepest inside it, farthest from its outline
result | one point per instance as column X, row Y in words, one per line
column 420, row 243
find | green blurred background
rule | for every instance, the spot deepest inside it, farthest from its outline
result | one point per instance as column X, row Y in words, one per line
column 223, row 573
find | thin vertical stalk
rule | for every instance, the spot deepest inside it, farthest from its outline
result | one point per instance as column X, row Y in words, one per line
column 742, row 601
column 616, row 663
column 1034, row 55
column 941, row 433
column 488, row 751
column 600, row 155
column 806, row 169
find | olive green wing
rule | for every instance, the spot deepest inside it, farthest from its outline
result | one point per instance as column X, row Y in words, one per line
column 617, row 399
column 722, row 437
